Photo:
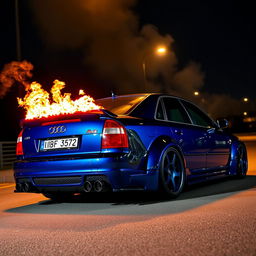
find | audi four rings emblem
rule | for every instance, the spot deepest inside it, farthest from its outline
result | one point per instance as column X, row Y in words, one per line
column 57, row 129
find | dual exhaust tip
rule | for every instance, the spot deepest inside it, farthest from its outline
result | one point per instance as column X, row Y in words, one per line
column 96, row 186
column 24, row 187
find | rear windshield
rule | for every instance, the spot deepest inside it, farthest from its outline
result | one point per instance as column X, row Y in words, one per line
column 121, row 105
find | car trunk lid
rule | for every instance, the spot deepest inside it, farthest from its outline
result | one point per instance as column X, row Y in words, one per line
column 67, row 135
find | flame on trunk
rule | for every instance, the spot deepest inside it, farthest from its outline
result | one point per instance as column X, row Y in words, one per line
column 38, row 103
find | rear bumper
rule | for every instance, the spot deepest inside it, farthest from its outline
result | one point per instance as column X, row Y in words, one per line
column 71, row 174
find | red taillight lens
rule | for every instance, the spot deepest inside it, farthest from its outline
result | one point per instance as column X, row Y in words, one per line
column 62, row 121
column 114, row 135
column 19, row 147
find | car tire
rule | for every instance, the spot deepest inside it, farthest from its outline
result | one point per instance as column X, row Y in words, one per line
column 171, row 173
column 241, row 160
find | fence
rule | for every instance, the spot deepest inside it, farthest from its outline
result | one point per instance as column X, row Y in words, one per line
column 7, row 154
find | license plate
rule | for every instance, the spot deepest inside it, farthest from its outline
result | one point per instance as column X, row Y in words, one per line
column 63, row 143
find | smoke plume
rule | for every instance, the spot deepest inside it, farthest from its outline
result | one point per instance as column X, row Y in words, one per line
column 15, row 72
column 114, row 44
column 221, row 105
column 117, row 49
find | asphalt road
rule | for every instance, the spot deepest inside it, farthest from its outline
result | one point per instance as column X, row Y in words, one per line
column 211, row 219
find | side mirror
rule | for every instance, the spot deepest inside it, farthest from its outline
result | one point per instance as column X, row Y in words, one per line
column 222, row 123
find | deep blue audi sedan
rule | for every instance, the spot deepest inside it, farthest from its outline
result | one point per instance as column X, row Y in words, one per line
column 151, row 142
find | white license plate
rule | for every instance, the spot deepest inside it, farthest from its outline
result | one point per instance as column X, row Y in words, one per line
column 64, row 143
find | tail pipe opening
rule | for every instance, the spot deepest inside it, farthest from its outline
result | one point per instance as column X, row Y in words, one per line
column 87, row 186
column 98, row 186
column 25, row 187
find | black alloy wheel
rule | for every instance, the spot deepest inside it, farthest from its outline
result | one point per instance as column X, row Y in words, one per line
column 241, row 159
column 172, row 173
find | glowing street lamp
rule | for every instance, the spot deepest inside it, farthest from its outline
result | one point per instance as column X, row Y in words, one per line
column 245, row 99
column 159, row 51
column 196, row 93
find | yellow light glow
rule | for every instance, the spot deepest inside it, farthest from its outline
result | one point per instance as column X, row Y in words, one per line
column 245, row 99
column 245, row 113
column 161, row 50
column 196, row 93
column 81, row 92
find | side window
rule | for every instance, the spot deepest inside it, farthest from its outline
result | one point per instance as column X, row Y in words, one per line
column 174, row 111
column 198, row 117
column 159, row 111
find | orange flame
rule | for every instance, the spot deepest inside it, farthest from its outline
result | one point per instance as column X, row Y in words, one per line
column 38, row 104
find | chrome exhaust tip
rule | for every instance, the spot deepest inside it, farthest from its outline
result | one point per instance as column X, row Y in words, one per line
column 87, row 186
column 98, row 186
column 26, row 187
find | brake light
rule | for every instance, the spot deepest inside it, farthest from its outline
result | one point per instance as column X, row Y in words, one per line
column 19, row 147
column 114, row 135
column 61, row 121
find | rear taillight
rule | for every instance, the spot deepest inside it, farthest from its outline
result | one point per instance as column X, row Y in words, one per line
column 114, row 135
column 61, row 121
column 19, row 147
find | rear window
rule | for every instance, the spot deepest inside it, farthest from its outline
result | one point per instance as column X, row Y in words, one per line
column 121, row 105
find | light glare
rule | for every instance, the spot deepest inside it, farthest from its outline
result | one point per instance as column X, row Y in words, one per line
column 161, row 50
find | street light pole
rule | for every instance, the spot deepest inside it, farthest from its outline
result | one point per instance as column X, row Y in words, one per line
column 144, row 73
column 17, row 24
column 160, row 51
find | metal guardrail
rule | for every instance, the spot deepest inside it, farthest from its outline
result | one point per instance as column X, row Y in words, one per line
column 7, row 154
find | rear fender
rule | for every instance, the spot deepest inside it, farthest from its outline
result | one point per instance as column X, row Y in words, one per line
column 155, row 153
column 157, row 149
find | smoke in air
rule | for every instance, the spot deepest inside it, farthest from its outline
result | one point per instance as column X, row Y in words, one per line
column 116, row 48
column 15, row 72
column 114, row 45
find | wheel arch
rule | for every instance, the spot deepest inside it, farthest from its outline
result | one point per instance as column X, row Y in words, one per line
column 156, row 151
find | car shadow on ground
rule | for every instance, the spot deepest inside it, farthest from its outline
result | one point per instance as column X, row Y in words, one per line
column 210, row 188
column 139, row 203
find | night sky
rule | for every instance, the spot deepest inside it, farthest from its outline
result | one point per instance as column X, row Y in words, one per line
column 217, row 35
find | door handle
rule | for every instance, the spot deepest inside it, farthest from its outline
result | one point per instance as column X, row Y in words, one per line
column 211, row 130
column 178, row 132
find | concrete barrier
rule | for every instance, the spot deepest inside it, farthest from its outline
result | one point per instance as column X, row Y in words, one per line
column 7, row 154
column 6, row 176
column 246, row 136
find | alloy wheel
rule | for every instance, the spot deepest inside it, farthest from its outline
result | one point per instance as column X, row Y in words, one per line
column 241, row 162
column 172, row 175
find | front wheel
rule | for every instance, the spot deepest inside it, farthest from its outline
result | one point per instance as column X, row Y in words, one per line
column 172, row 173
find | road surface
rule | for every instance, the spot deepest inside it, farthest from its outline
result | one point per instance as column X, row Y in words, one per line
column 212, row 219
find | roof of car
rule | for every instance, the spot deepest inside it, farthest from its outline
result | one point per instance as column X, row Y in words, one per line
column 127, row 95
column 140, row 95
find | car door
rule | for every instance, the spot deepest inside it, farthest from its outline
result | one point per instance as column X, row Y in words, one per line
column 191, row 139
column 218, row 156
column 218, row 143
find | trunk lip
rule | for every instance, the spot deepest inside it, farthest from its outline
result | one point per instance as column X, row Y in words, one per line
column 78, row 115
